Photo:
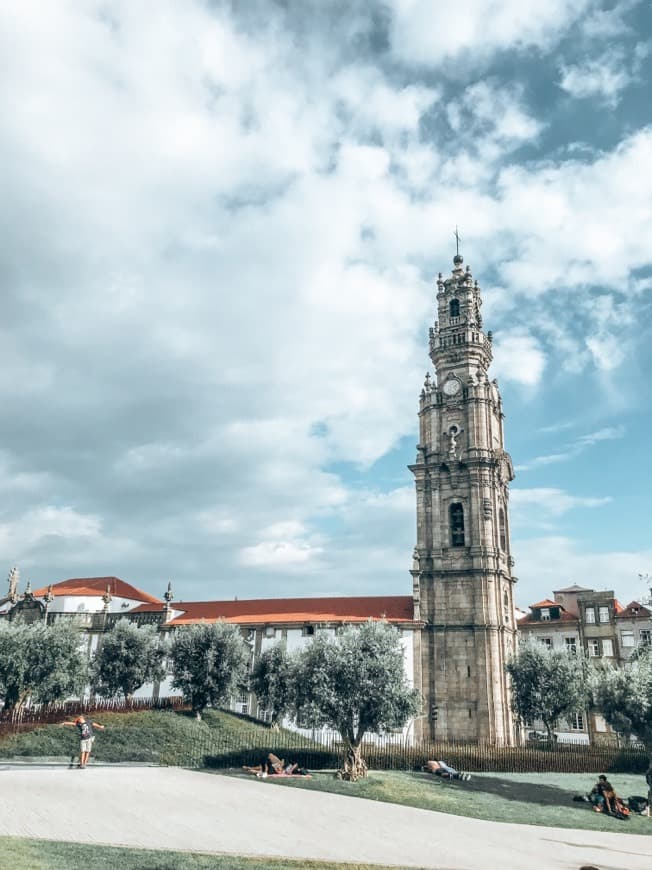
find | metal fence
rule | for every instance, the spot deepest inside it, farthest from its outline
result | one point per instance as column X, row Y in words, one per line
column 250, row 743
column 218, row 751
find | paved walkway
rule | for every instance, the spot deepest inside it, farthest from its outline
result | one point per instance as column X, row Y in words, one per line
column 171, row 808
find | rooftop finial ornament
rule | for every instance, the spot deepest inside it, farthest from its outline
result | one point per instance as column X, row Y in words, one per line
column 458, row 259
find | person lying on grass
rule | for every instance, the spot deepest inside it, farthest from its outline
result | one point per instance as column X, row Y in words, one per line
column 272, row 765
column 440, row 768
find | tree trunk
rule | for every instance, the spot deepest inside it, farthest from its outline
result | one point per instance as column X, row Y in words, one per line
column 12, row 698
column 354, row 766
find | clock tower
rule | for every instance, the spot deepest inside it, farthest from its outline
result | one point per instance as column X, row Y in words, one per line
column 462, row 565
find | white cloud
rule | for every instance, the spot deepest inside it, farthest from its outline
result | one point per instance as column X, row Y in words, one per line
column 486, row 111
column 518, row 357
column 605, row 77
column 608, row 23
column 220, row 241
column 431, row 35
column 542, row 206
column 43, row 525
column 550, row 501
column 552, row 562
column 284, row 544
column 608, row 433
column 575, row 447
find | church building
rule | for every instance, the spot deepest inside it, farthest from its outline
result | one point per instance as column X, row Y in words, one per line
column 457, row 627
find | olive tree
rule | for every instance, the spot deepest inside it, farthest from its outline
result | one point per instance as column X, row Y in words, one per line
column 40, row 662
column 548, row 684
column 624, row 697
column 273, row 680
column 209, row 664
column 128, row 657
column 355, row 683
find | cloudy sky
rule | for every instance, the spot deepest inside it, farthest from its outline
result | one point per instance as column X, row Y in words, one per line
column 221, row 223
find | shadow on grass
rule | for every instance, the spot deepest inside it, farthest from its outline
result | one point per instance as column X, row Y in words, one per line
column 525, row 792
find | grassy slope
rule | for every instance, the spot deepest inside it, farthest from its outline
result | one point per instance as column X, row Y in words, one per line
column 22, row 854
column 150, row 736
column 525, row 798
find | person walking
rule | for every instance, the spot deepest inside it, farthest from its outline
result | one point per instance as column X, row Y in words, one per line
column 85, row 728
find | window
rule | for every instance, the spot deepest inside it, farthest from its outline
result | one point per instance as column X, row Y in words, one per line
column 627, row 638
column 594, row 648
column 457, row 525
column 600, row 723
column 608, row 648
column 545, row 614
column 501, row 530
column 589, row 615
column 576, row 722
column 571, row 645
column 270, row 631
column 604, row 614
column 242, row 704
column 546, row 641
column 308, row 630
column 454, row 308
column 645, row 637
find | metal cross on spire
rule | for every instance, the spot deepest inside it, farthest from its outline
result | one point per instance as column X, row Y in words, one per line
column 457, row 240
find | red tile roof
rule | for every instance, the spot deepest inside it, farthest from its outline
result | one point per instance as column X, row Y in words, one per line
column 96, row 586
column 634, row 610
column 394, row 608
column 547, row 603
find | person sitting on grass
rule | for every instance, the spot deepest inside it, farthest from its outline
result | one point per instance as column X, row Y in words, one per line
column 440, row 768
column 84, row 728
column 603, row 796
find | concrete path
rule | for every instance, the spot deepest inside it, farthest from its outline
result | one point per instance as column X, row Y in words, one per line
column 171, row 808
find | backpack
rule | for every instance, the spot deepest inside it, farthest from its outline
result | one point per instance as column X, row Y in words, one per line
column 637, row 803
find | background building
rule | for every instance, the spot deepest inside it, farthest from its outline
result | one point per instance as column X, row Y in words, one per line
column 577, row 618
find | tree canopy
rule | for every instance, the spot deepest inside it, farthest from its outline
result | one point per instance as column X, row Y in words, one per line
column 42, row 662
column 128, row 657
column 273, row 680
column 355, row 683
column 624, row 697
column 209, row 664
column 548, row 684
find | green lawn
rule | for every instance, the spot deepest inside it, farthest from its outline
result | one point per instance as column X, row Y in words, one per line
column 156, row 736
column 521, row 798
column 19, row 854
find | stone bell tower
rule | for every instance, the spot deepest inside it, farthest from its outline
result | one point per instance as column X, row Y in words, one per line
column 462, row 566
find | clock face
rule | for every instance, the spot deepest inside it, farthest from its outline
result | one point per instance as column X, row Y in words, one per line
column 452, row 387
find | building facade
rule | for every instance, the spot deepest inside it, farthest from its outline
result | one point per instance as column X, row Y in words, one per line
column 597, row 624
